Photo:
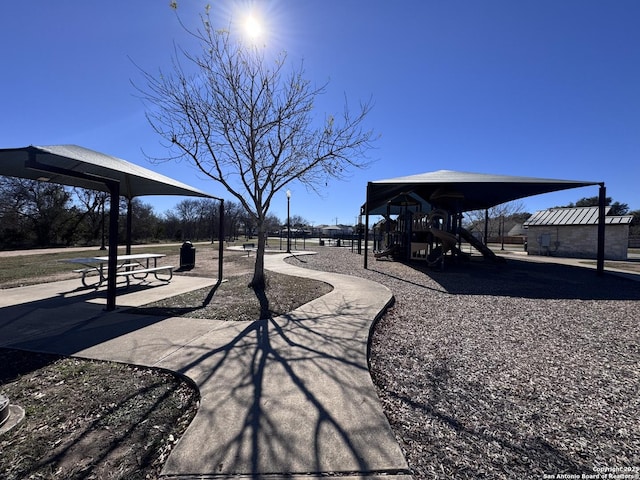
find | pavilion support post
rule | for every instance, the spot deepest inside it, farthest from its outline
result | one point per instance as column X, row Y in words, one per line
column 602, row 198
column 129, row 224
column 486, row 225
column 366, row 228
column 360, row 234
column 112, row 264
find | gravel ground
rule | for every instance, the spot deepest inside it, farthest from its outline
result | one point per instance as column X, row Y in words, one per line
column 522, row 370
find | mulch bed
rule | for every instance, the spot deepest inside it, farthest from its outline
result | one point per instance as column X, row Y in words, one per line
column 514, row 371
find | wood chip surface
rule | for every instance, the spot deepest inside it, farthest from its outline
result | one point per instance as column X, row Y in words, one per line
column 522, row 370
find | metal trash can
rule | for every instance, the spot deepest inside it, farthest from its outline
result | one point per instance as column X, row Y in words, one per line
column 187, row 256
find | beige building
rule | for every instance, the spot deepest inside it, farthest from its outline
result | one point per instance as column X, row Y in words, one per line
column 573, row 232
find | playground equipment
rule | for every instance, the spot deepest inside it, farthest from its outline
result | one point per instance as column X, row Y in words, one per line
column 430, row 237
column 478, row 245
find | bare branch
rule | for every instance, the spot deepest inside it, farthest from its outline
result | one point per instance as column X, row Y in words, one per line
column 247, row 122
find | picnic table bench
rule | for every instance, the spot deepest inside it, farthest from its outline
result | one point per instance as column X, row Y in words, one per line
column 138, row 266
column 249, row 247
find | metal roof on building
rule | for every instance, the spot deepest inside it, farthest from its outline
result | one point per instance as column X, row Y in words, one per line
column 574, row 216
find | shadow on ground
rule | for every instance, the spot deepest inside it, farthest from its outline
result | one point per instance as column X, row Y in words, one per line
column 523, row 279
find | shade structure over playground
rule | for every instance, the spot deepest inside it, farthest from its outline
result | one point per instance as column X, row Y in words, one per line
column 461, row 191
column 77, row 166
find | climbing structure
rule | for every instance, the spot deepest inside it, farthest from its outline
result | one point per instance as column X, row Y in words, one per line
column 430, row 237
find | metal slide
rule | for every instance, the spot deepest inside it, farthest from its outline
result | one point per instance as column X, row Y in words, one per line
column 478, row 245
column 447, row 239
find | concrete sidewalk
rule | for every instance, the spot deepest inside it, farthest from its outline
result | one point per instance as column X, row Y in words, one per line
column 280, row 398
column 630, row 274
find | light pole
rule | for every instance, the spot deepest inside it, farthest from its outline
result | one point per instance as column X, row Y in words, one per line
column 288, row 221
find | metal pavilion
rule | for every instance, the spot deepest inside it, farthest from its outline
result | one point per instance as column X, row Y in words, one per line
column 77, row 166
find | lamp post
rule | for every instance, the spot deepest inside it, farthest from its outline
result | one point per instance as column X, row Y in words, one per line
column 288, row 221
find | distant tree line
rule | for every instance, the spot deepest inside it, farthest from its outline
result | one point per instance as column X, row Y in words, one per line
column 617, row 208
column 37, row 214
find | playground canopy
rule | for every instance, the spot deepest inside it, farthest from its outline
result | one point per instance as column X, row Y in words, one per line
column 459, row 192
column 462, row 191
column 77, row 166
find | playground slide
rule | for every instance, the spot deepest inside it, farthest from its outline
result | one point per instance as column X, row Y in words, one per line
column 447, row 239
column 389, row 251
column 478, row 245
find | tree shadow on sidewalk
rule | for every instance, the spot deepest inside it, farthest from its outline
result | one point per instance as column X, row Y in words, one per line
column 289, row 395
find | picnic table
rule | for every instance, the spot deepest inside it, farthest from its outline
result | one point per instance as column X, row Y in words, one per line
column 137, row 265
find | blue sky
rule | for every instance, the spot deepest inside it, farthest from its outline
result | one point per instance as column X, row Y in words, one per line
column 545, row 88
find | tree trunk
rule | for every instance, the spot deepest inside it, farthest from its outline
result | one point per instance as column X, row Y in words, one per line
column 258, row 281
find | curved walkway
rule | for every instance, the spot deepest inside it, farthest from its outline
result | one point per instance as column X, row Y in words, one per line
column 280, row 398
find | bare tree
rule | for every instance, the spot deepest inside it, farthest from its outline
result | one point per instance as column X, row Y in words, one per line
column 496, row 215
column 145, row 222
column 188, row 211
column 90, row 219
column 42, row 209
column 297, row 221
column 246, row 122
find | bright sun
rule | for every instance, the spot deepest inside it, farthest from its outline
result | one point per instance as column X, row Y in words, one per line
column 253, row 27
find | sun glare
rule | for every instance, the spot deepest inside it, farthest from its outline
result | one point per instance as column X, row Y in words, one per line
column 253, row 28
column 259, row 23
